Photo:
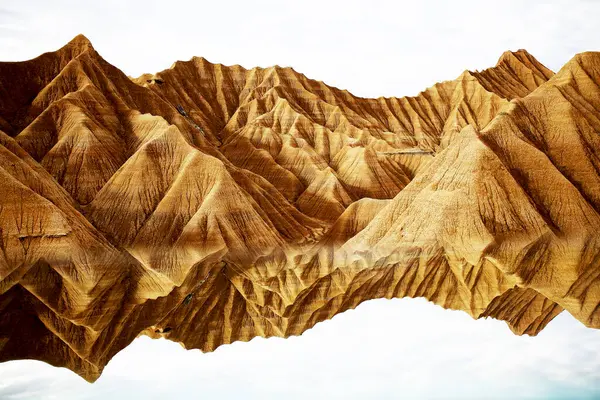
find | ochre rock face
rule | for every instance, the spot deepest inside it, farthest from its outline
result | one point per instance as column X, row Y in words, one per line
column 208, row 204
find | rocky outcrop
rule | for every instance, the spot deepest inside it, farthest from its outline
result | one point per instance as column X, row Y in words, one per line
column 209, row 204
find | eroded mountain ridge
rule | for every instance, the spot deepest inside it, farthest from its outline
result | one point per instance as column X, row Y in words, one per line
column 209, row 203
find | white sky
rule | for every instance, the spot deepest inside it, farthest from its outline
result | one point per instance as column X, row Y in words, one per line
column 384, row 349
column 372, row 48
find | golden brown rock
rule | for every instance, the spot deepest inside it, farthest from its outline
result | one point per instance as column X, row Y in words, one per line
column 208, row 204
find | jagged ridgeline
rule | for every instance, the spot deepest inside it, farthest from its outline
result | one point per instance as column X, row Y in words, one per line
column 210, row 203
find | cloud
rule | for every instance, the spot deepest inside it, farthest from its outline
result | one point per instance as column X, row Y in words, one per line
column 6, row 13
column 372, row 48
column 384, row 349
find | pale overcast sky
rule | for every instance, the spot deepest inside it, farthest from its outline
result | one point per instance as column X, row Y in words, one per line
column 372, row 48
column 384, row 349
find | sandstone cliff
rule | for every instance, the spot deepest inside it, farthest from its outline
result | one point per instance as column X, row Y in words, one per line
column 210, row 203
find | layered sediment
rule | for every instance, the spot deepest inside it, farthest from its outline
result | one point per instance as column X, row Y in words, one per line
column 209, row 204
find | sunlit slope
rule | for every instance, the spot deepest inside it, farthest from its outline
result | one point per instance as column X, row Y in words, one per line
column 209, row 203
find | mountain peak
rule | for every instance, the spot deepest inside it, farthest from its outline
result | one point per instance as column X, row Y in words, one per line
column 516, row 74
column 80, row 39
column 587, row 58
column 209, row 204
column 510, row 55
column 522, row 58
column 78, row 45
column 582, row 72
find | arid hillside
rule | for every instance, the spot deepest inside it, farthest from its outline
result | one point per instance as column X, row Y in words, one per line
column 209, row 204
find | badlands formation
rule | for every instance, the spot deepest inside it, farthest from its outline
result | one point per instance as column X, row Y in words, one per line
column 208, row 204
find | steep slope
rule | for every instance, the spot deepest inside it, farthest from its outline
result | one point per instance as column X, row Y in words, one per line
column 516, row 75
column 536, row 218
column 209, row 203
column 551, row 144
column 61, row 281
column 285, row 127
column 447, row 220
column 18, row 95
column 77, row 121
column 325, row 198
